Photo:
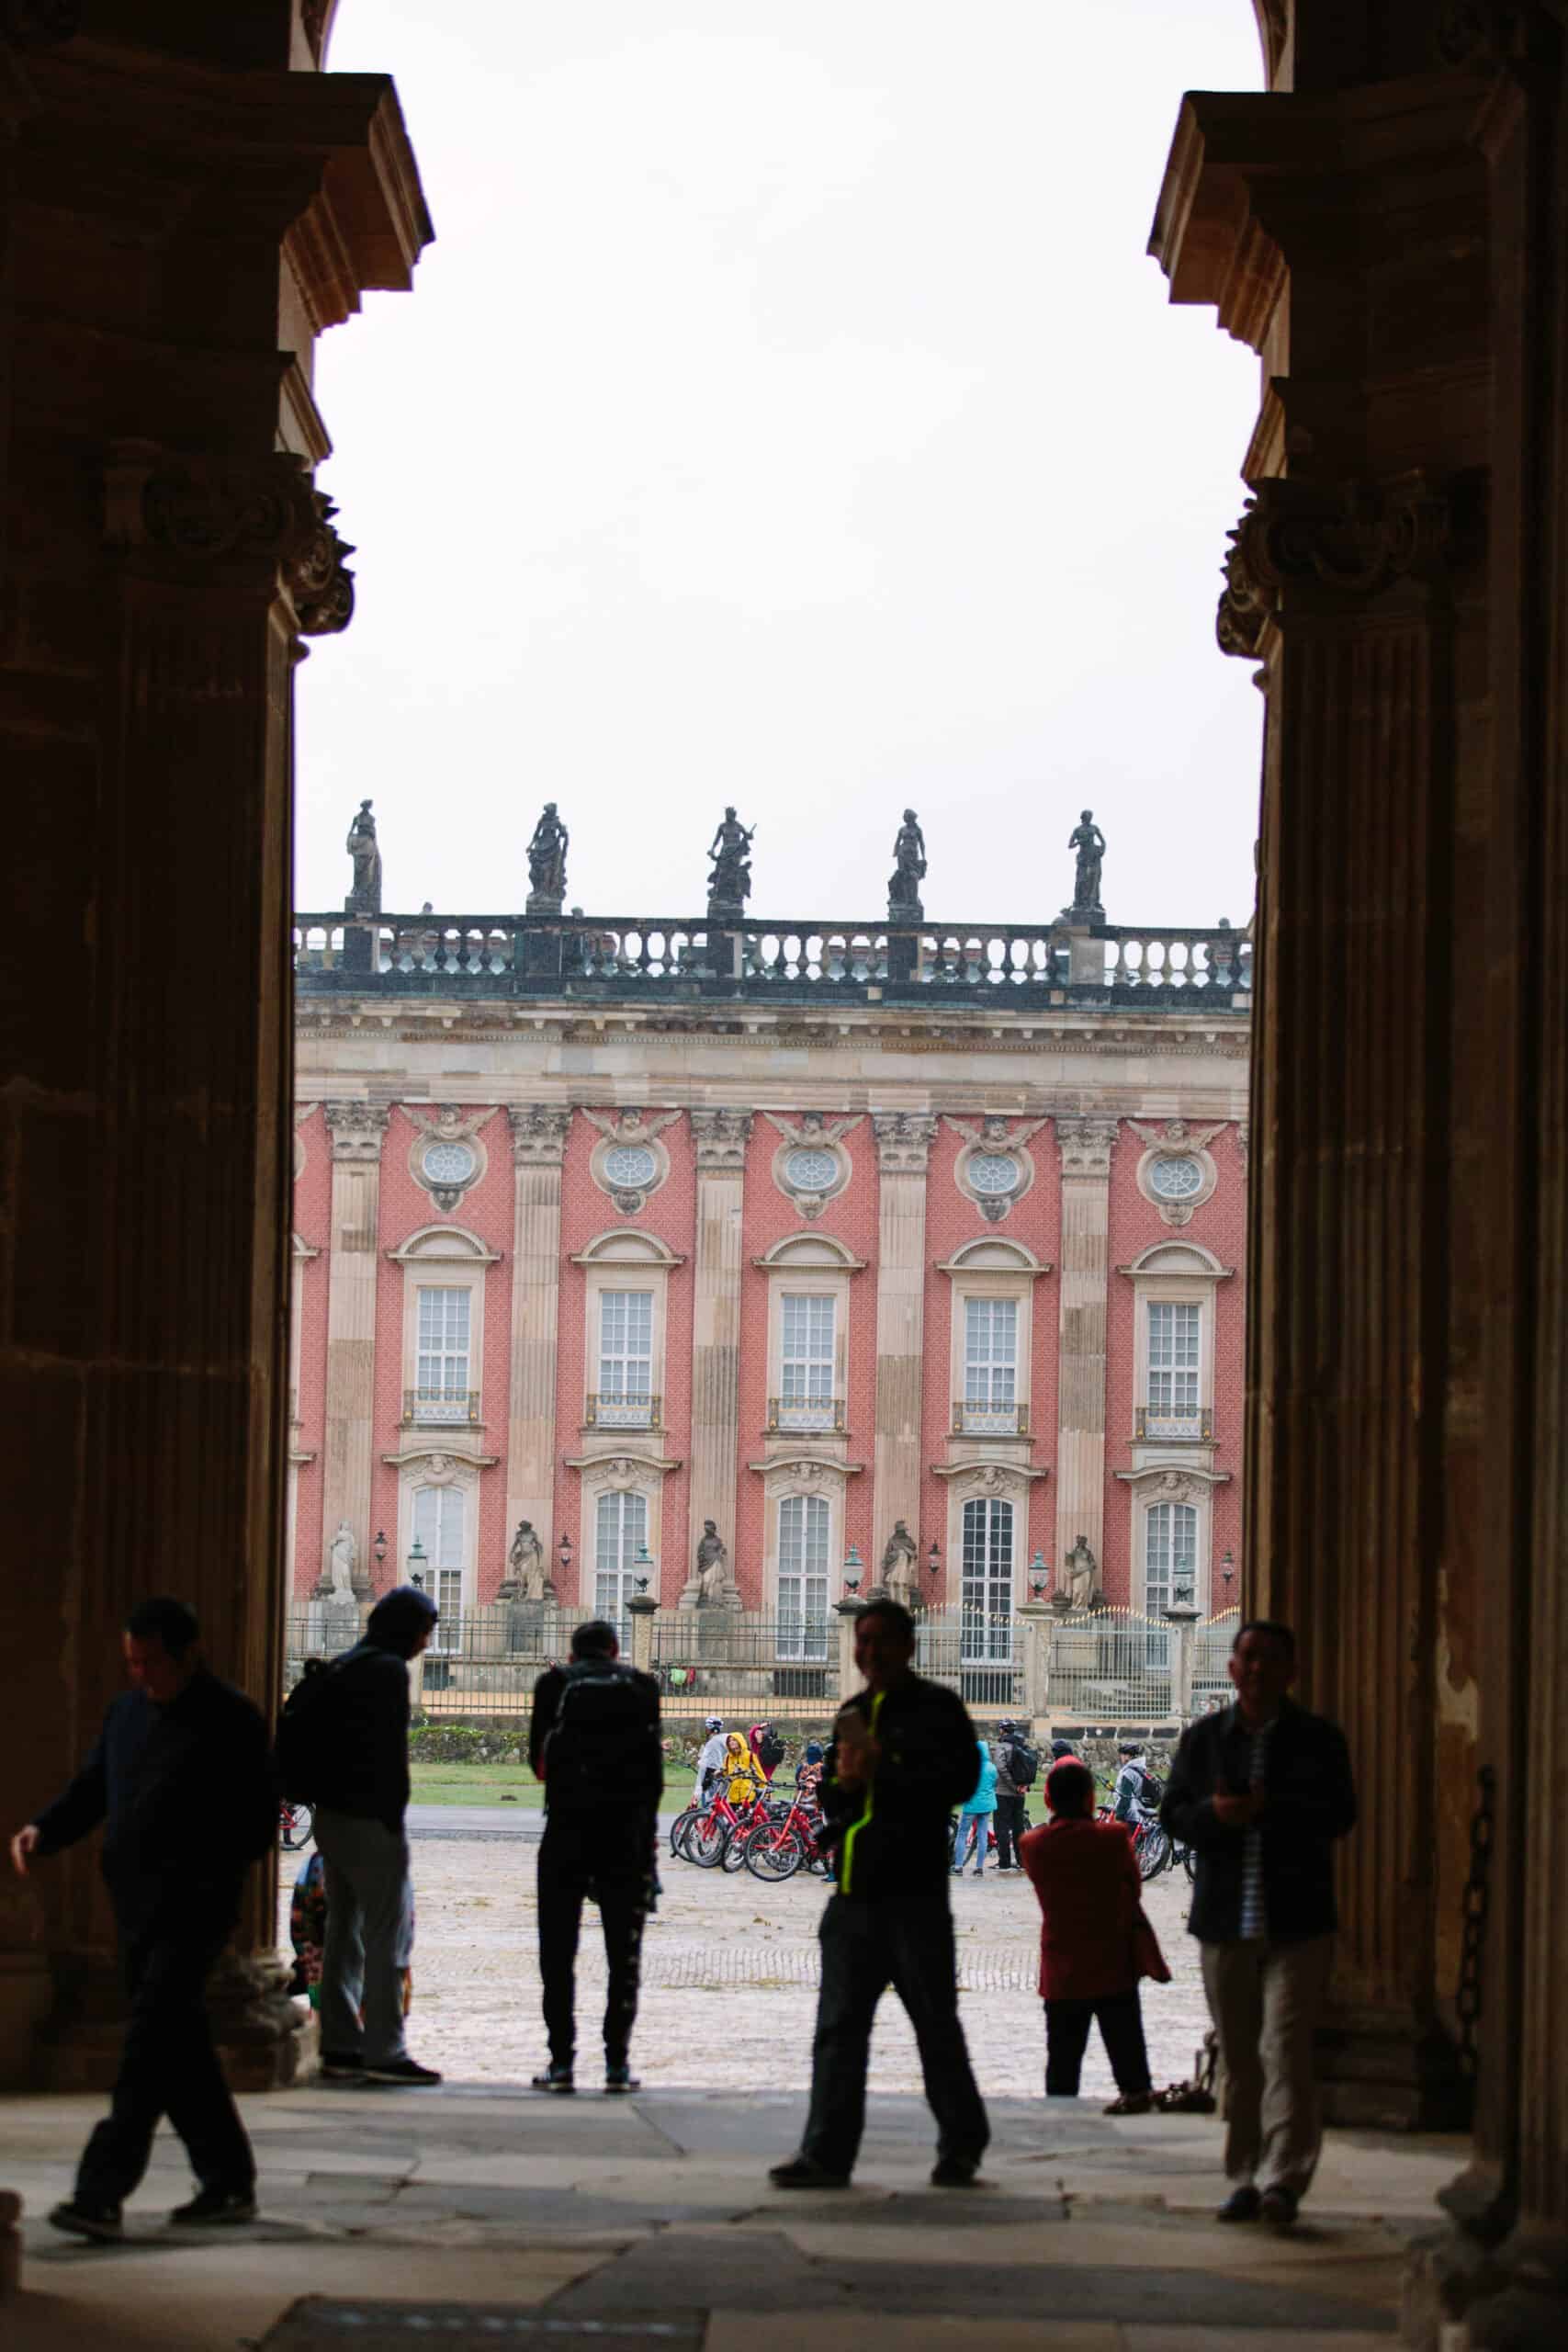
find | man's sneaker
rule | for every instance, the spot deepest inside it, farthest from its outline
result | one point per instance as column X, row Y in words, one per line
column 954, row 2172
column 406, row 2071
column 559, row 2079
column 101, row 2223
column 1276, row 2208
column 342, row 2065
column 216, row 2208
column 1243, row 2204
column 802, row 2172
column 621, row 2078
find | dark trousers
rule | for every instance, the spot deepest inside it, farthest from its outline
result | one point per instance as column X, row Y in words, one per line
column 611, row 1856
column 1011, row 1827
column 905, row 1941
column 168, row 2066
column 1121, row 2022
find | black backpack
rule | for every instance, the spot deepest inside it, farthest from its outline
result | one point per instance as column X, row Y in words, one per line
column 1023, row 1764
column 770, row 1750
column 603, row 1745
column 1153, row 1789
column 306, row 1735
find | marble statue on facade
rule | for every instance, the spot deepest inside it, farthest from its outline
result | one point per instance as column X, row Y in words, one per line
column 1089, row 843
column 900, row 1575
column 365, row 898
column 908, row 871
column 528, row 1576
column 716, row 1588
column 730, row 884
column 546, row 864
column 1080, row 1576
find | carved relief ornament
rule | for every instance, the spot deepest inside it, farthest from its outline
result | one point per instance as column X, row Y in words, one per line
column 721, row 1138
column 1342, row 543
column 538, row 1135
column 904, row 1139
column 1086, row 1146
column 358, row 1130
column 220, row 510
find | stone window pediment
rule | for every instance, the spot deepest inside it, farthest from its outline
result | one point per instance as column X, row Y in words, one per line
column 626, row 1247
column 798, row 1251
column 443, row 1245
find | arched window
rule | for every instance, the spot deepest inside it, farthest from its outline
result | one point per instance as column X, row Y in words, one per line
column 803, row 1527
column 988, row 1580
column 440, row 1527
column 620, row 1530
column 1170, row 1554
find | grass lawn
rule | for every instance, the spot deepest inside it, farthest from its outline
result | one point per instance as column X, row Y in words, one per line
column 473, row 1784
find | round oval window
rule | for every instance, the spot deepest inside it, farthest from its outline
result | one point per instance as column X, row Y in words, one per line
column 449, row 1163
column 631, row 1164
column 1174, row 1179
column 994, row 1172
column 811, row 1171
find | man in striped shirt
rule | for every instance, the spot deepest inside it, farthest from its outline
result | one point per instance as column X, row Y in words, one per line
column 1261, row 1793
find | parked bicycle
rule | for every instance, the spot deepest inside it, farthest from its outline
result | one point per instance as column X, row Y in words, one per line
column 783, row 1841
column 1151, row 1843
column 710, row 1839
column 296, row 1825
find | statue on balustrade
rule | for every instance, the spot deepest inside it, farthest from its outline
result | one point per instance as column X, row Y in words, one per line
column 1089, row 843
column 730, row 884
column 546, row 864
column 528, row 1577
column 900, row 1577
column 1080, row 1576
column 716, row 1588
column 365, row 898
column 908, row 871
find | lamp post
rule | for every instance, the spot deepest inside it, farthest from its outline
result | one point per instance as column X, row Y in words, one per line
column 379, row 1549
column 417, row 1565
column 417, row 1562
column 933, row 1561
column 563, row 1553
column 1037, row 1575
column 641, row 1607
column 852, row 1567
column 1227, row 1570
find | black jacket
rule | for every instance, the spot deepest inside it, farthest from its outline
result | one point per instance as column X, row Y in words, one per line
column 364, row 1753
column 892, row 1840
column 187, row 1793
column 634, row 1765
column 1310, row 1802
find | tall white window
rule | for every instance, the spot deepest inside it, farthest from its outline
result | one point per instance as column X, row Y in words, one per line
column 440, row 1527
column 441, row 1368
column 620, row 1530
column 1175, row 1338
column 625, row 1358
column 806, row 1361
column 990, row 1363
column 1170, row 1554
column 804, row 1522
column 988, row 1580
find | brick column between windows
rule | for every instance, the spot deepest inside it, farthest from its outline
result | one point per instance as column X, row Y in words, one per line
column 721, row 1137
column 902, row 1146
column 1085, row 1146
column 357, row 1132
column 538, row 1143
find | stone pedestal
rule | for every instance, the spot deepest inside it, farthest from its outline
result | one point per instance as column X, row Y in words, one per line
column 642, row 1608
column 848, row 1614
column 1037, row 1636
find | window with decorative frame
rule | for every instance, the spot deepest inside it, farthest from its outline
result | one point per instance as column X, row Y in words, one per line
column 1174, row 1399
column 986, row 1589
column 990, row 1364
column 440, row 1529
column 620, row 1535
column 625, row 1360
column 807, row 1335
column 804, row 1537
column 1170, row 1554
column 443, row 1353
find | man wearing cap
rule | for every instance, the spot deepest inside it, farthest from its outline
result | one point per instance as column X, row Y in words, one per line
column 710, row 1758
column 362, row 1795
column 1009, row 1815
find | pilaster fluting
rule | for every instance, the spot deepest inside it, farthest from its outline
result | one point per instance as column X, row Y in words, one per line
column 538, row 1143
column 904, row 1139
column 1086, row 1146
column 357, row 1131
column 720, row 1140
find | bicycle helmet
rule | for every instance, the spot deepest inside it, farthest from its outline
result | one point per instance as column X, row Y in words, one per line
column 1007, row 1723
column 714, row 1723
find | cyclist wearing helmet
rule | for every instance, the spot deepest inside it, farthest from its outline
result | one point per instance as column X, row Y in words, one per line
column 1129, row 1797
column 710, row 1760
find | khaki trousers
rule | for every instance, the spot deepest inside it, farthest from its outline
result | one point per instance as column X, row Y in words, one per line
column 1265, row 2000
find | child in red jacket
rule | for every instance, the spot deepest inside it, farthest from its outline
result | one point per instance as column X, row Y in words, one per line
column 1095, row 1942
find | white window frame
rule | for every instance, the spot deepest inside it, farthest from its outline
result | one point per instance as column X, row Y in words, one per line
column 1169, row 1520
column 444, row 1350
column 990, row 1396
column 628, row 1508
column 1173, row 1366
column 808, row 1265
column 992, row 1269
column 803, row 1533
column 613, row 1374
column 445, row 1257
column 623, row 1259
column 988, row 1528
column 1178, row 1274
column 808, row 1395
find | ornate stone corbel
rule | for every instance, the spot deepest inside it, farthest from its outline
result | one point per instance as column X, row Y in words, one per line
column 221, row 509
column 357, row 1129
column 721, row 1138
column 1086, row 1146
column 538, row 1135
column 904, row 1139
column 1343, row 542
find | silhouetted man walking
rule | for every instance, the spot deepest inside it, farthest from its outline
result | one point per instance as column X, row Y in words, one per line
column 181, row 1776
column 904, row 1755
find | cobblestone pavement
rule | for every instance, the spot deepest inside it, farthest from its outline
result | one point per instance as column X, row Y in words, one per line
column 729, row 1977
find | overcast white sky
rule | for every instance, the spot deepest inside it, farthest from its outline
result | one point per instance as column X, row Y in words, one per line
column 788, row 414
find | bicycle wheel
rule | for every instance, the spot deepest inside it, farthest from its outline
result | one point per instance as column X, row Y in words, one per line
column 704, row 1841
column 297, row 1824
column 679, row 1826
column 773, row 1853
column 1153, row 1851
column 1189, row 1860
column 734, row 1854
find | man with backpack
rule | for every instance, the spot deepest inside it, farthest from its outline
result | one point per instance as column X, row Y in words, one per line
column 1136, row 1789
column 594, row 1741
column 343, row 1745
column 1016, row 1765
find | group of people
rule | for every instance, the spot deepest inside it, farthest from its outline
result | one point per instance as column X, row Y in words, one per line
column 184, row 1779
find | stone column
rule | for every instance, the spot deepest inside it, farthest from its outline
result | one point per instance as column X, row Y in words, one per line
column 902, row 1146
column 721, row 1137
column 357, row 1131
column 538, row 1146
column 1085, row 1146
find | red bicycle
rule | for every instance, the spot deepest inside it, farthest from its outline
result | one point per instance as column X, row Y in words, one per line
column 715, row 1838
column 775, row 1847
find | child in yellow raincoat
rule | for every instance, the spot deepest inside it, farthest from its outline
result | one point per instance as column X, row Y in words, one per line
column 744, row 1779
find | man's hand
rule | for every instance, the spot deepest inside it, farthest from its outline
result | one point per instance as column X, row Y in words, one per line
column 856, row 1761
column 24, row 1843
column 1237, row 1812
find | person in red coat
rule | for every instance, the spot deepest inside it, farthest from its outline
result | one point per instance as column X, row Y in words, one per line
column 1095, row 1942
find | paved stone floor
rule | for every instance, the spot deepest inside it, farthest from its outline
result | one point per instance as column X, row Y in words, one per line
column 729, row 1975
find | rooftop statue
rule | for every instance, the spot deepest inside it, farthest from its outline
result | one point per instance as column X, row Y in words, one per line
column 1089, row 843
column 730, row 884
column 547, row 863
column 365, row 898
column 908, row 869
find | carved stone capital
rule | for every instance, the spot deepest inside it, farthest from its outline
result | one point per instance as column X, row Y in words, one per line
column 357, row 1130
column 1086, row 1146
column 721, row 1138
column 538, row 1135
column 904, row 1139
column 222, row 510
column 1343, row 542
